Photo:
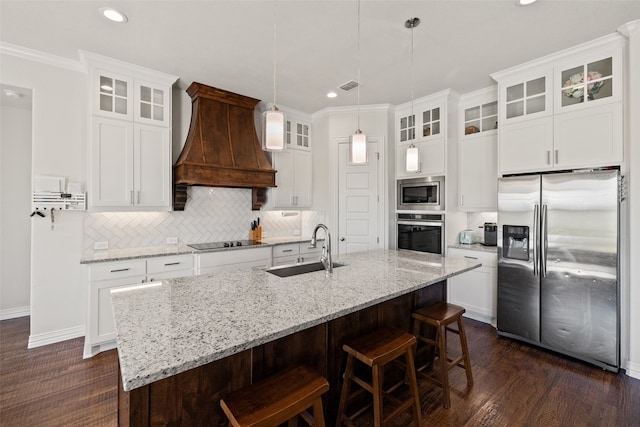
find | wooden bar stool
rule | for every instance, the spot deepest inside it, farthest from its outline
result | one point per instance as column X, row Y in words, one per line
column 277, row 399
column 440, row 316
column 376, row 350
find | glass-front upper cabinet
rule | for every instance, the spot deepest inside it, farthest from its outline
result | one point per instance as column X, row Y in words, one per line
column 526, row 97
column 481, row 118
column 287, row 133
column 112, row 95
column 151, row 104
column 431, row 122
column 407, row 128
column 589, row 80
column 302, row 135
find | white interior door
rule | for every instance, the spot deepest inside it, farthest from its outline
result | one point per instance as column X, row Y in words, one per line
column 359, row 212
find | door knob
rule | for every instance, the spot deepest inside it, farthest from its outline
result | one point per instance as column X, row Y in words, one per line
column 342, row 239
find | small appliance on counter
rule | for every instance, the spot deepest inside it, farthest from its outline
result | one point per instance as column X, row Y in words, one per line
column 466, row 237
column 490, row 234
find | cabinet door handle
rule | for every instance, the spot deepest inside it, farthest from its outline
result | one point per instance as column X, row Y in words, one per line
column 470, row 257
column 462, row 200
column 556, row 156
column 131, row 197
column 548, row 157
column 138, row 196
column 120, row 270
column 171, row 263
column 287, row 250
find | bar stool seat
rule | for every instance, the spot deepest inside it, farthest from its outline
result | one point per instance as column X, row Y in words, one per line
column 376, row 350
column 277, row 399
column 440, row 316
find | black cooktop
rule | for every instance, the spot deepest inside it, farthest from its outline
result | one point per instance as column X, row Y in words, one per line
column 220, row 245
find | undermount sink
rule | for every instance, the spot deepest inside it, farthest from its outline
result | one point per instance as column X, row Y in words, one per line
column 295, row 269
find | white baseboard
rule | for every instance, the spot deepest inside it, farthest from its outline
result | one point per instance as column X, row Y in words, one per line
column 633, row 370
column 55, row 336
column 12, row 313
column 480, row 317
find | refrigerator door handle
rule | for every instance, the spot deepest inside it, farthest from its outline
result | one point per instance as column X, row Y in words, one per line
column 543, row 242
column 536, row 221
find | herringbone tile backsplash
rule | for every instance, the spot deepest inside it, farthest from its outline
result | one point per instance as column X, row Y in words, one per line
column 211, row 215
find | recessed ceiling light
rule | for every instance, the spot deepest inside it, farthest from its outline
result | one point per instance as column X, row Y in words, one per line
column 12, row 93
column 525, row 2
column 113, row 15
column 332, row 95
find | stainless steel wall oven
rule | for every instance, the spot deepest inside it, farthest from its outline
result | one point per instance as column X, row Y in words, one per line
column 421, row 232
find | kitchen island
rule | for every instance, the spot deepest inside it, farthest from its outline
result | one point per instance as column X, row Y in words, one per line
column 185, row 343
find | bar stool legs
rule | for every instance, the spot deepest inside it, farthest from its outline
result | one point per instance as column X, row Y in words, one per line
column 440, row 316
column 377, row 350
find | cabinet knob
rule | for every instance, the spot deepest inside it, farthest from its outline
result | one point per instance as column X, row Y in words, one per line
column 342, row 239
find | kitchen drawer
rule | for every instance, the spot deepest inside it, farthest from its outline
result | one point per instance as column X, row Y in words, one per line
column 237, row 256
column 305, row 249
column 487, row 259
column 169, row 275
column 286, row 250
column 286, row 260
column 117, row 270
column 169, row 263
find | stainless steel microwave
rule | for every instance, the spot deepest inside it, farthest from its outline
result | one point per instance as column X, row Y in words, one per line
column 422, row 194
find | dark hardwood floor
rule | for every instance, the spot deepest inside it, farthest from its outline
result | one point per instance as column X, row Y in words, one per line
column 514, row 385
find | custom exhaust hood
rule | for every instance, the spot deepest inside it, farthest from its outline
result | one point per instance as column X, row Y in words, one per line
column 222, row 148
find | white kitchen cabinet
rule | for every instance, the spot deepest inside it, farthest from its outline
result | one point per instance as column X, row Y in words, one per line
column 425, row 125
column 295, row 253
column 475, row 290
column 293, row 180
column 478, row 151
column 130, row 165
column 130, row 140
column 564, row 120
column 297, row 132
column 210, row 262
column 103, row 277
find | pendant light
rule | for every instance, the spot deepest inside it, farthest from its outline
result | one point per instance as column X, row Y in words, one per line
column 273, row 123
column 412, row 160
column 358, row 139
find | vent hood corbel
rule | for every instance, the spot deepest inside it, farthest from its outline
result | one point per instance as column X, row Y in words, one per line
column 222, row 147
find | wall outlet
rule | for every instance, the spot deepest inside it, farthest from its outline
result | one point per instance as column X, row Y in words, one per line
column 296, row 232
column 172, row 240
column 101, row 245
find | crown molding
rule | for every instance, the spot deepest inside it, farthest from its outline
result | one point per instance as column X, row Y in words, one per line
column 90, row 59
column 629, row 28
column 41, row 57
column 352, row 109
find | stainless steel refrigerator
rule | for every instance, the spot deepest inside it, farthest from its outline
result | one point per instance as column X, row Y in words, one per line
column 558, row 263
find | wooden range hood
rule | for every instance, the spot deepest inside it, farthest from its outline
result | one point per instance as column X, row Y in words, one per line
column 222, row 148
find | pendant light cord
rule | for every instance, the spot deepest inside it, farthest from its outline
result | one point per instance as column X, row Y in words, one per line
column 414, row 119
column 358, row 55
column 274, row 52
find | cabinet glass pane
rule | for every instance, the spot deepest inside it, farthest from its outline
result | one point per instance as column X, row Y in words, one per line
column 411, row 133
column 426, row 130
column 121, row 88
column 106, row 103
column 158, row 97
column 515, row 92
column 412, row 120
column 515, row 109
column 471, row 113
column 145, row 110
column 403, row 123
column 490, row 109
column 299, row 128
column 106, row 84
column 604, row 67
column 435, row 128
column 305, row 130
column 489, row 123
column 145, row 94
column 288, row 126
column 535, row 105
column 121, row 106
column 435, row 114
column 572, row 77
column 158, row 112
column 472, row 127
column 403, row 135
column 535, row 87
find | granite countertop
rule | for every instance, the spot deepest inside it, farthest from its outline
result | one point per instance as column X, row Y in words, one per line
column 171, row 326
column 91, row 257
column 476, row 247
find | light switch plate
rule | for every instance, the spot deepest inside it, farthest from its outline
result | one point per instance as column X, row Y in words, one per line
column 172, row 240
column 101, row 245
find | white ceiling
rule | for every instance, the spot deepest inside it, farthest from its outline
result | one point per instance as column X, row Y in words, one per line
column 228, row 44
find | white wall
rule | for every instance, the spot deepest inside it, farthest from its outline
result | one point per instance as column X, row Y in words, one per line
column 58, row 281
column 15, row 206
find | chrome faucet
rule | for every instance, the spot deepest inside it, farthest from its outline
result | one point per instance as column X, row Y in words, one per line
column 325, row 258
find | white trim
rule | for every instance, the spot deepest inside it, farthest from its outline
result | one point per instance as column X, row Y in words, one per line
column 42, row 57
column 12, row 313
column 352, row 109
column 562, row 55
column 633, row 370
column 93, row 60
column 629, row 28
column 487, row 94
column 56, row 336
